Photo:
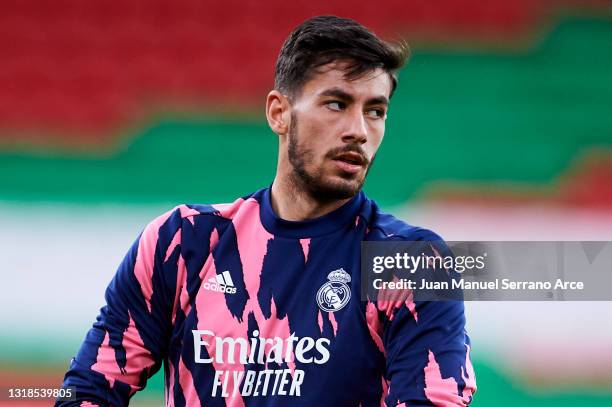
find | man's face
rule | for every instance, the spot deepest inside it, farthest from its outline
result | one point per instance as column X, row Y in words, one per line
column 336, row 128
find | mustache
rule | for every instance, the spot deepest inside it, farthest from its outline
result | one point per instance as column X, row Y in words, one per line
column 349, row 148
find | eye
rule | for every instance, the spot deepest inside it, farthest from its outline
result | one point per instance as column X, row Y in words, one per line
column 335, row 105
column 377, row 113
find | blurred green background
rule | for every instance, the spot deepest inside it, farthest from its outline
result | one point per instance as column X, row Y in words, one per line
column 110, row 113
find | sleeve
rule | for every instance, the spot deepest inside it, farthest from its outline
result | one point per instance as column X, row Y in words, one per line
column 427, row 349
column 128, row 341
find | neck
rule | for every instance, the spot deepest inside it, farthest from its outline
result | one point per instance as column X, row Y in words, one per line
column 291, row 203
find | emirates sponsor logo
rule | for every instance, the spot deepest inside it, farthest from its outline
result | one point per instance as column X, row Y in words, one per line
column 223, row 351
column 260, row 350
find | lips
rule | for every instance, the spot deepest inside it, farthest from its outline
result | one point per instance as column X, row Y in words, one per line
column 350, row 162
column 351, row 158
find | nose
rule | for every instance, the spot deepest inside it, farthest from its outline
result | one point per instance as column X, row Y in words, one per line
column 356, row 128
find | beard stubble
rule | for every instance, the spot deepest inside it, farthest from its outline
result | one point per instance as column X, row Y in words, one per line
column 313, row 182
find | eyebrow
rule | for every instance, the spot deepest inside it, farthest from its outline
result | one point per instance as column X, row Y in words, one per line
column 339, row 93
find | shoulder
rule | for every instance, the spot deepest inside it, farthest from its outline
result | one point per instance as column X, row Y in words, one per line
column 219, row 210
column 194, row 214
column 384, row 226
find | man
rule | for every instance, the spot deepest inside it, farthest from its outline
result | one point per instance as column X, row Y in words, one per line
column 258, row 302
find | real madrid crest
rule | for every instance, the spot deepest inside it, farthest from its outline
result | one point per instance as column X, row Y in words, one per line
column 335, row 294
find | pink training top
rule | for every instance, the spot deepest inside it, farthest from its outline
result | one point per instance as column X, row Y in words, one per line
column 246, row 309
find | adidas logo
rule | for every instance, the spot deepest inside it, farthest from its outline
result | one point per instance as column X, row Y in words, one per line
column 221, row 283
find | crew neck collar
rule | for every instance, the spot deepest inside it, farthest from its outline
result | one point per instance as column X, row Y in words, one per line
column 322, row 225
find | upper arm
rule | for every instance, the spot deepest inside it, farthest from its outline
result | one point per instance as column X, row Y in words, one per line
column 426, row 346
column 428, row 356
column 128, row 341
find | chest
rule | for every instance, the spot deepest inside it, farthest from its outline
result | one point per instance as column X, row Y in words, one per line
column 279, row 310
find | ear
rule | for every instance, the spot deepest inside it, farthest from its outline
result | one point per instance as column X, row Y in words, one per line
column 278, row 112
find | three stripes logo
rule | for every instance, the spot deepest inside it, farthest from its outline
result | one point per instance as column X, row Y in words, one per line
column 221, row 283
